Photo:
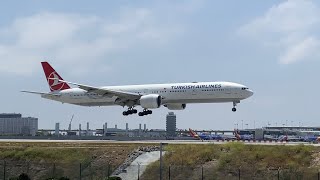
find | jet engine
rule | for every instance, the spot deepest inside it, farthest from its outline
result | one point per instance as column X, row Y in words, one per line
column 151, row 101
column 176, row 106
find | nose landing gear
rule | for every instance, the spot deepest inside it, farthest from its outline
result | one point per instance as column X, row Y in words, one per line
column 234, row 109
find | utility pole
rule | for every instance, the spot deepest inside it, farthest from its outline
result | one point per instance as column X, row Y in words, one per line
column 138, row 170
column 161, row 163
column 241, row 124
column 160, row 160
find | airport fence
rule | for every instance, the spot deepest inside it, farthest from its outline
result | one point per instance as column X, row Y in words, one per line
column 10, row 170
column 210, row 173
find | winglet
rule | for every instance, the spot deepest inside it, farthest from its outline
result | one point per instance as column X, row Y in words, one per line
column 53, row 78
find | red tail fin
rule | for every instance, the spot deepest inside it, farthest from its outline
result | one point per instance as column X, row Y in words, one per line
column 236, row 134
column 193, row 134
column 52, row 78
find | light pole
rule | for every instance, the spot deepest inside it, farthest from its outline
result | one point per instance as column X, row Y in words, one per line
column 161, row 144
column 138, row 170
column 247, row 125
column 241, row 124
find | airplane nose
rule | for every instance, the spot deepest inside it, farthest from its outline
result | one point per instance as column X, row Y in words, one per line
column 250, row 92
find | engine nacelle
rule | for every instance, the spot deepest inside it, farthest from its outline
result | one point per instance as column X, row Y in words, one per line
column 175, row 106
column 151, row 101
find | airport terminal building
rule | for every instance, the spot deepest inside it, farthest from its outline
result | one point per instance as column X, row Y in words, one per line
column 15, row 124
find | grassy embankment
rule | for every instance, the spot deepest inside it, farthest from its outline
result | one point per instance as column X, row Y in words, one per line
column 44, row 160
column 224, row 162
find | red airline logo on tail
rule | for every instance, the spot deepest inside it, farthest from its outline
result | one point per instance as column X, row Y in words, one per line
column 193, row 134
column 236, row 134
column 53, row 78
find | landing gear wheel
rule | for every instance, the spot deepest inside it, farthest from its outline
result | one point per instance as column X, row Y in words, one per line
column 145, row 112
column 130, row 111
column 234, row 106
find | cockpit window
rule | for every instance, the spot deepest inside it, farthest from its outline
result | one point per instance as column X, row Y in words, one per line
column 244, row 88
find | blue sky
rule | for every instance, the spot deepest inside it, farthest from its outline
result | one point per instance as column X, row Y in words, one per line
column 270, row 46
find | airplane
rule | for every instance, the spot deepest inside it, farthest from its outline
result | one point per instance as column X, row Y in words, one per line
column 242, row 137
column 174, row 96
column 311, row 138
column 205, row 136
column 290, row 138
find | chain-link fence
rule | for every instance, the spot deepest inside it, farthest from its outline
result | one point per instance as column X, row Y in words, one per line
column 210, row 173
column 42, row 170
column 87, row 171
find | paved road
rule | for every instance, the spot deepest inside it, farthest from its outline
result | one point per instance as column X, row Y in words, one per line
column 153, row 142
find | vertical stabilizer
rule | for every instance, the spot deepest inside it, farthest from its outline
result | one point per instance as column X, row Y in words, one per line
column 53, row 78
column 193, row 134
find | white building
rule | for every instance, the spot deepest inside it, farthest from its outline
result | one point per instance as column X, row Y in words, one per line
column 15, row 124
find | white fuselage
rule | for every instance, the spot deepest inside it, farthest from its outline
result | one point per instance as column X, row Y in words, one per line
column 182, row 93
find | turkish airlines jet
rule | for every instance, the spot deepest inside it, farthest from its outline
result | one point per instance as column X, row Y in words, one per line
column 150, row 96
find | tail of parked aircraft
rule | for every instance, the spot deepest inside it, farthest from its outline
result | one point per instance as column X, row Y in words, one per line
column 193, row 134
column 236, row 134
column 53, row 78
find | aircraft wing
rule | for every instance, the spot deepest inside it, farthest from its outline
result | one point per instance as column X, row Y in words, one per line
column 40, row 93
column 107, row 92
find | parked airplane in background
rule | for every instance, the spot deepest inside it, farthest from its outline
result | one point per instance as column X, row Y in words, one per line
column 311, row 138
column 290, row 138
column 151, row 96
column 204, row 136
column 243, row 136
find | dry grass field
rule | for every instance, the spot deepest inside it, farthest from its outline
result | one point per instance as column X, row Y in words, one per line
column 44, row 160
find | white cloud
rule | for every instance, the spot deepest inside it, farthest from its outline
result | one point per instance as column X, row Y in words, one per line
column 306, row 49
column 79, row 40
column 289, row 27
column 49, row 29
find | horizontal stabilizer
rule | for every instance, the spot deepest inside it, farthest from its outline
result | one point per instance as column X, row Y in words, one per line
column 40, row 93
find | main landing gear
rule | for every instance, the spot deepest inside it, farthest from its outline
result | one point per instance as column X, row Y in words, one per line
column 234, row 109
column 145, row 112
column 129, row 112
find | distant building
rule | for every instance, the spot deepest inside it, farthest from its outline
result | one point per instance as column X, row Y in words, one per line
column 15, row 124
column 171, row 124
